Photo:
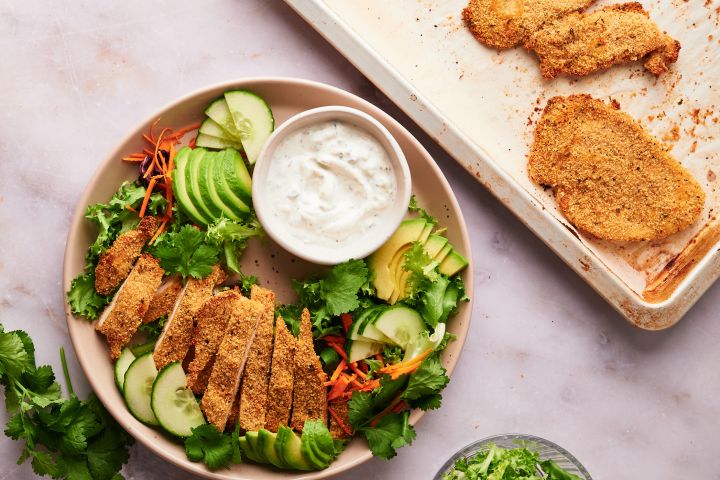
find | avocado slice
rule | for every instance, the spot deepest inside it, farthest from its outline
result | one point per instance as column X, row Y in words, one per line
column 289, row 448
column 443, row 253
column 237, row 175
column 317, row 444
column 252, row 440
column 249, row 452
column 192, row 179
column 393, row 250
column 266, row 447
column 234, row 202
column 452, row 264
column 180, row 187
column 208, row 187
column 434, row 244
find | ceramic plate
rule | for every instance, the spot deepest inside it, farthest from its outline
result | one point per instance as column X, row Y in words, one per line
column 269, row 262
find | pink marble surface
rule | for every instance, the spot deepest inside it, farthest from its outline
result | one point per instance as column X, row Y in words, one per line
column 545, row 354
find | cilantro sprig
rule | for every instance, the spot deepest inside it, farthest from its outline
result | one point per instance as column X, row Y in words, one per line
column 63, row 438
column 214, row 448
column 187, row 252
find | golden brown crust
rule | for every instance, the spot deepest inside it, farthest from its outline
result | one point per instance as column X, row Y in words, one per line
column 611, row 177
column 341, row 409
column 211, row 322
column 230, row 362
column 122, row 319
column 254, row 391
column 116, row 262
column 309, row 391
column 281, row 378
column 508, row 23
column 164, row 299
column 177, row 334
column 580, row 44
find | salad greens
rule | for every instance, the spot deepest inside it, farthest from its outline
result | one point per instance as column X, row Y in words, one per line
column 64, row 438
column 186, row 252
column 496, row 463
column 214, row 448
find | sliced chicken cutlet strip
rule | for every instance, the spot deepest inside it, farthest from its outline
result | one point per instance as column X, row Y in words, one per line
column 281, row 378
column 116, row 262
column 230, row 362
column 341, row 410
column 254, row 391
column 164, row 299
column 508, row 23
column 211, row 323
column 309, row 391
column 123, row 316
column 580, row 44
column 177, row 335
column 611, row 177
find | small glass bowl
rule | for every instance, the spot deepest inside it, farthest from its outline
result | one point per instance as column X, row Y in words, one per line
column 547, row 450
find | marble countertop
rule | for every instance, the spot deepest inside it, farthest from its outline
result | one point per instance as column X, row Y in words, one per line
column 545, row 354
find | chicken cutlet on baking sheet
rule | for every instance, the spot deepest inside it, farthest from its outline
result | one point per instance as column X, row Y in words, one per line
column 611, row 178
column 568, row 41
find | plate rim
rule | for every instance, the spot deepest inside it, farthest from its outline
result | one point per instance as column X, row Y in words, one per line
column 78, row 217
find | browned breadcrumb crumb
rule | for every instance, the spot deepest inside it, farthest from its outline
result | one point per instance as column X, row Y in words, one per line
column 177, row 335
column 123, row 316
column 580, row 44
column 611, row 177
column 230, row 362
column 309, row 391
column 116, row 262
column 341, row 409
column 281, row 378
column 164, row 299
column 508, row 23
column 254, row 391
column 211, row 322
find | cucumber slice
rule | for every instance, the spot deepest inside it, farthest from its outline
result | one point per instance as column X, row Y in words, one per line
column 137, row 386
column 219, row 112
column 253, row 118
column 173, row 403
column 213, row 129
column 359, row 349
column 401, row 324
column 121, row 365
column 216, row 143
column 423, row 342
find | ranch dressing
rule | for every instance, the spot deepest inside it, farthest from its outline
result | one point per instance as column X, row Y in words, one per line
column 328, row 183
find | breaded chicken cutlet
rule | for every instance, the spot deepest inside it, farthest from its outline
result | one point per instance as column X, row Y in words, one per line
column 568, row 41
column 177, row 335
column 116, row 262
column 610, row 176
column 211, row 323
column 230, row 362
column 509, row 23
column 281, row 377
column 309, row 391
column 164, row 299
column 123, row 316
column 580, row 44
column 254, row 390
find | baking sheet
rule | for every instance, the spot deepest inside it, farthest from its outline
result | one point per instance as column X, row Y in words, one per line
column 482, row 104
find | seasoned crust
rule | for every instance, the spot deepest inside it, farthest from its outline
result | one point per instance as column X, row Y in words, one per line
column 281, row 377
column 309, row 391
column 164, row 299
column 580, row 44
column 254, row 390
column 123, row 316
column 116, row 262
column 611, row 177
column 508, row 23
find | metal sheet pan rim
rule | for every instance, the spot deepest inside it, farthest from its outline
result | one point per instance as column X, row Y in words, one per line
column 643, row 314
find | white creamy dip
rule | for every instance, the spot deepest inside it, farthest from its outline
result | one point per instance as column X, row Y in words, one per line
column 328, row 183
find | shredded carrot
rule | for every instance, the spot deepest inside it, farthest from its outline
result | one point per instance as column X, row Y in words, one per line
column 379, row 357
column 160, row 229
column 334, row 339
column 135, row 157
column 129, row 207
column 339, row 350
column 341, row 366
column 148, row 194
column 359, row 372
column 191, row 143
column 340, row 386
column 152, row 127
column 346, row 320
column 399, row 407
column 405, row 365
column 340, row 422
column 389, row 409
